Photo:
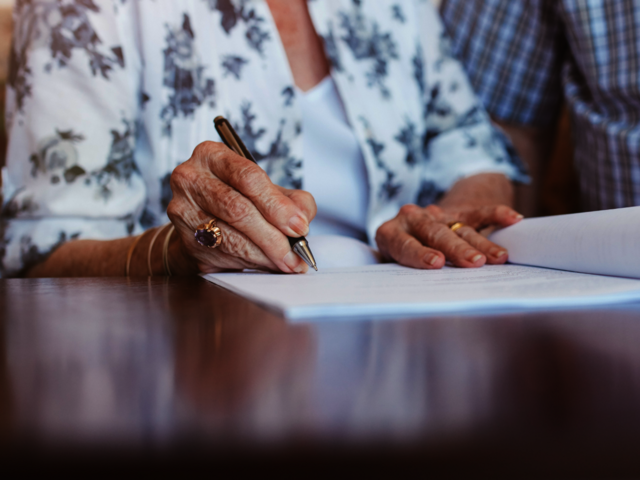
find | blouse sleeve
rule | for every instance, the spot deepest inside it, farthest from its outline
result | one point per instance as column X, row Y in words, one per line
column 460, row 139
column 72, row 107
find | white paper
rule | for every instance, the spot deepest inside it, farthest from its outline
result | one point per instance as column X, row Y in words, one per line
column 606, row 242
column 390, row 289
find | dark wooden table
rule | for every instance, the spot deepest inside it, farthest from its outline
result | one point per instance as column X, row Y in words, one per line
column 160, row 372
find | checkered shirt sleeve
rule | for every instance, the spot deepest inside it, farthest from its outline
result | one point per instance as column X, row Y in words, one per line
column 522, row 55
column 513, row 52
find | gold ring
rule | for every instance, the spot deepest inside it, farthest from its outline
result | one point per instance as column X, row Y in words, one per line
column 456, row 226
column 209, row 234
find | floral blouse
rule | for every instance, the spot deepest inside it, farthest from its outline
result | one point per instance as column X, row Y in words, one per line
column 107, row 97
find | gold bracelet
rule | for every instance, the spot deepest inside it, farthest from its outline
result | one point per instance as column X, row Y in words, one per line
column 165, row 252
column 130, row 252
column 153, row 240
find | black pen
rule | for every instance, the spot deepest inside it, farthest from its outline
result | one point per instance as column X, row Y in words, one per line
column 232, row 140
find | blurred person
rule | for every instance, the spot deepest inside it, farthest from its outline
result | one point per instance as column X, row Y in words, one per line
column 526, row 58
column 358, row 102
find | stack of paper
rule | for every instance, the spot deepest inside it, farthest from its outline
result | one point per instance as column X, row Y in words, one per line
column 606, row 242
column 352, row 283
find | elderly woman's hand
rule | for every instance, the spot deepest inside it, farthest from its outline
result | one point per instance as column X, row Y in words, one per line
column 255, row 215
column 422, row 238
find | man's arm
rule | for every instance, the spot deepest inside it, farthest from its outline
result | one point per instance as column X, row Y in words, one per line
column 534, row 145
column 523, row 44
column 480, row 190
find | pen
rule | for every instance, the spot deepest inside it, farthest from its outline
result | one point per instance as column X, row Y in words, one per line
column 234, row 142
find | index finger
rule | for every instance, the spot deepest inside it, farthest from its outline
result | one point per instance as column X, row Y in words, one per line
column 302, row 199
column 253, row 182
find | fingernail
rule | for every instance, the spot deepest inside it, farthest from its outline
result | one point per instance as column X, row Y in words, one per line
column 473, row 256
column 431, row 259
column 299, row 225
column 294, row 262
column 498, row 253
column 517, row 216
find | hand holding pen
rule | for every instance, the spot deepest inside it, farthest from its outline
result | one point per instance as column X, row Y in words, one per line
column 232, row 140
column 254, row 216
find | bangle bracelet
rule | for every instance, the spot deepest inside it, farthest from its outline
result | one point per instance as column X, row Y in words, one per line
column 130, row 252
column 153, row 241
column 165, row 252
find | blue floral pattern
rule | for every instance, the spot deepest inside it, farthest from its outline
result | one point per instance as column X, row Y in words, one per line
column 235, row 12
column 369, row 45
column 63, row 27
column 107, row 97
column 57, row 159
column 184, row 75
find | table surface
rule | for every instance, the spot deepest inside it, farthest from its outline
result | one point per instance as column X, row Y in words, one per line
column 183, row 367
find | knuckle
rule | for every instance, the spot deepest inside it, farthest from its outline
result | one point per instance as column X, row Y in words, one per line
column 177, row 177
column 182, row 177
column 203, row 149
column 433, row 210
column 236, row 246
column 384, row 233
column 461, row 249
column 465, row 232
column 405, row 247
column 173, row 210
column 180, row 213
column 386, row 229
column 211, row 154
column 234, row 208
column 274, row 204
column 437, row 233
column 248, row 177
column 502, row 211
column 409, row 209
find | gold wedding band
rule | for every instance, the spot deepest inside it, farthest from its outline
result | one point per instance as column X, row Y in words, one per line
column 456, row 226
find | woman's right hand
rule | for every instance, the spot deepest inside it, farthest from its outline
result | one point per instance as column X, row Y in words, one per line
column 255, row 215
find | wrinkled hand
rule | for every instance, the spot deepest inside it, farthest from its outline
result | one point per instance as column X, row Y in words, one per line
column 255, row 215
column 421, row 237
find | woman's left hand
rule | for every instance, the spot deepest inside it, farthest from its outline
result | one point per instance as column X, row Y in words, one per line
column 422, row 238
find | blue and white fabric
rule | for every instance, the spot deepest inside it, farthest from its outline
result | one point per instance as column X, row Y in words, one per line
column 107, row 97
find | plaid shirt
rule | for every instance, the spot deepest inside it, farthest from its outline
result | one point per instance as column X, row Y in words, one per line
column 524, row 56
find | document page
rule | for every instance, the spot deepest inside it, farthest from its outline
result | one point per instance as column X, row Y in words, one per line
column 606, row 242
column 390, row 289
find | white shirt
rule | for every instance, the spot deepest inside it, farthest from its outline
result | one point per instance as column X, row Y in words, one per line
column 334, row 171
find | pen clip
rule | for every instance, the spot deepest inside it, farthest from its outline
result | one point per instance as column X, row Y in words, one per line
column 231, row 139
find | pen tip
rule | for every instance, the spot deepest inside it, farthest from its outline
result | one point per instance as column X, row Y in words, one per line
column 301, row 247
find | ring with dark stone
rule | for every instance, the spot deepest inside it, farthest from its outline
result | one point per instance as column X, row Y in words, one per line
column 209, row 234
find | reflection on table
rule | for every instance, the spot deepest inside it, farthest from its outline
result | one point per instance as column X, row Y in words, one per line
column 109, row 362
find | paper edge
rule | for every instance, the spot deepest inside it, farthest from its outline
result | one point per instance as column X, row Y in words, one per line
column 317, row 312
